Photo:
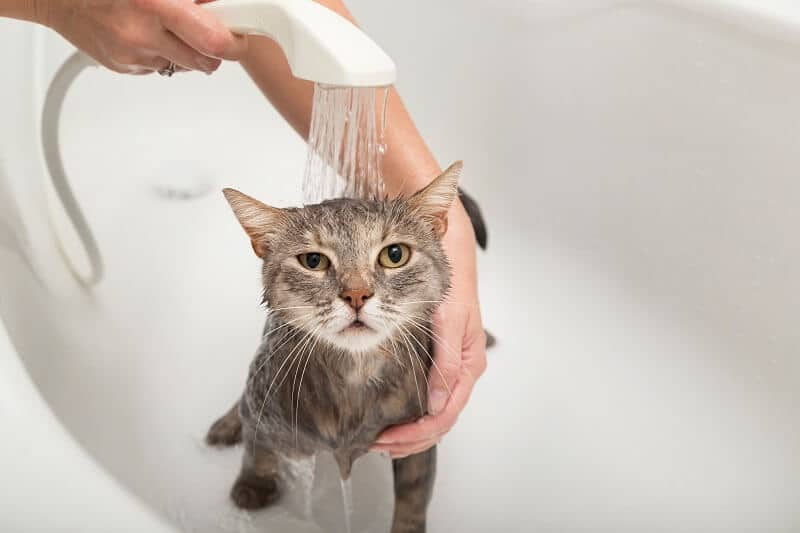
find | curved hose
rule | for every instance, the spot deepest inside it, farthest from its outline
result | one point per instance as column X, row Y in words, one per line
column 51, row 115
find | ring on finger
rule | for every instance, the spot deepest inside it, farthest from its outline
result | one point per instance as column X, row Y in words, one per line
column 169, row 70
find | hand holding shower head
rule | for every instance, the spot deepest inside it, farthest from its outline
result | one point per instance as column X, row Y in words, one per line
column 320, row 45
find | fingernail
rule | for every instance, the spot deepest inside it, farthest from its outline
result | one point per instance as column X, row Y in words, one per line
column 207, row 64
column 384, row 441
column 437, row 401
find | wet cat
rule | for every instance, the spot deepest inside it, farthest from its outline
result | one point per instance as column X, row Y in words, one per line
column 351, row 286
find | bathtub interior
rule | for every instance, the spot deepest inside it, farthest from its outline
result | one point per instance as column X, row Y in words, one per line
column 638, row 178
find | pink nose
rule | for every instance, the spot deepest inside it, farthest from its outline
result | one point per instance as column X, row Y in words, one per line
column 355, row 298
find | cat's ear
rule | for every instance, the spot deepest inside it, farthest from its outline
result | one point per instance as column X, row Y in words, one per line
column 258, row 220
column 433, row 202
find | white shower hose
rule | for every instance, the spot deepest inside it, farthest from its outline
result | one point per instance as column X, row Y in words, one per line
column 51, row 116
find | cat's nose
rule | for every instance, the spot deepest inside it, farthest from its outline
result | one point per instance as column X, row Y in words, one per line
column 355, row 298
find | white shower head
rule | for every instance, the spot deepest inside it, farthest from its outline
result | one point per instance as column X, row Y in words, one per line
column 320, row 45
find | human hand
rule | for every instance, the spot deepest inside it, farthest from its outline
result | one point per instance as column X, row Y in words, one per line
column 459, row 348
column 142, row 36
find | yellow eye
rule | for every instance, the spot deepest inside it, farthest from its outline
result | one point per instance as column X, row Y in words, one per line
column 394, row 256
column 314, row 261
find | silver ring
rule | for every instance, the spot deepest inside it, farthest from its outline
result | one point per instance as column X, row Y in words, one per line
column 169, row 71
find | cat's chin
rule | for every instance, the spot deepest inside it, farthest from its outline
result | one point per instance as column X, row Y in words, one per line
column 357, row 338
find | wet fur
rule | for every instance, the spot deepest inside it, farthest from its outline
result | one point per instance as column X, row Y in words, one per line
column 307, row 390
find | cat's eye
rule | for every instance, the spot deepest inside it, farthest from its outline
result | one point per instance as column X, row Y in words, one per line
column 314, row 261
column 394, row 256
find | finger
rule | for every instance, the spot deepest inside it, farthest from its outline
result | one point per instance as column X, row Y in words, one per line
column 448, row 326
column 140, row 65
column 398, row 452
column 184, row 56
column 385, row 442
column 407, row 444
column 475, row 343
column 132, row 65
column 202, row 31
column 429, row 427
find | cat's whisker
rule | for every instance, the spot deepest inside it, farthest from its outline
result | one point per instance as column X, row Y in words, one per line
column 309, row 318
column 285, row 324
column 297, row 370
column 427, row 331
column 424, row 349
column 395, row 348
column 415, row 319
column 445, row 301
column 269, row 357
column 300, row 386
column 299, row 364
column 296, row 352
column 274, row 379
column 411, row 354
column 274, row 309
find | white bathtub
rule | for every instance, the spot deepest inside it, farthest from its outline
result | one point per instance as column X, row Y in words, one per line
column 637, row 162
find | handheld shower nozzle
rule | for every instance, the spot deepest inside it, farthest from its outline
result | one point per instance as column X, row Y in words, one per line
column 320, row 45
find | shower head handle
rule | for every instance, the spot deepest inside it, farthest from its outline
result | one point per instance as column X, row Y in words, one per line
column 320, row 45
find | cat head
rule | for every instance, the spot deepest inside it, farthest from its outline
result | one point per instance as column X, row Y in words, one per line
column 350, row 272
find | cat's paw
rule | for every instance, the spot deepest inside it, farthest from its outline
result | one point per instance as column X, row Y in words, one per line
column 226, row 431
column 254, row 493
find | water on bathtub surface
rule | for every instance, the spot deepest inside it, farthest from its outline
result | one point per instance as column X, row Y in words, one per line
column 301, row 476
column 347, row 503
column 345, row 144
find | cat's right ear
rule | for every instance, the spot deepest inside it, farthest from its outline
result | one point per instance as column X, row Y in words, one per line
column 258, row 220
column 433, row 202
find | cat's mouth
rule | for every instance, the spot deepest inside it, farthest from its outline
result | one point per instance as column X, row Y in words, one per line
column 356, row 326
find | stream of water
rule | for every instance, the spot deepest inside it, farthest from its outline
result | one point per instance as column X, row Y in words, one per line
column 345, row 146
column 345, row 143
column 347, row 503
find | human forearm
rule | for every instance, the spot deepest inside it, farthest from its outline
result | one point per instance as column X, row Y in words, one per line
column 30, row 10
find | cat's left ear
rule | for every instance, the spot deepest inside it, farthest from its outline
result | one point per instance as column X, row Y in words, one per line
column 258, row 219
column 433, row 202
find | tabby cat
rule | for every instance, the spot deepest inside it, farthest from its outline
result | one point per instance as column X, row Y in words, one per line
column 350, row 286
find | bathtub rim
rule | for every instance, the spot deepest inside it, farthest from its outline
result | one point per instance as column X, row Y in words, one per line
column 45, row 451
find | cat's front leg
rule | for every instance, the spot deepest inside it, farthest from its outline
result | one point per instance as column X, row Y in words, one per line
column 413, row 486
column 257, row 484
column 227, row 430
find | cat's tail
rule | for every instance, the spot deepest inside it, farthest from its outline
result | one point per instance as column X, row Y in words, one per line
column 491, row 340
column 481, row 235
column 476, row 217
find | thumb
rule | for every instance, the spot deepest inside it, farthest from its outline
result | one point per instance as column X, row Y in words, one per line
column 448, row 328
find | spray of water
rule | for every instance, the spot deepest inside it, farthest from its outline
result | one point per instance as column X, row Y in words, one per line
column 345, row 144
column 347, row 503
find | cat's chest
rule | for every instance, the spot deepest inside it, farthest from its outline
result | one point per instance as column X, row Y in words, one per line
column 332, row 400
column 341, row 407
column 359, row 405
